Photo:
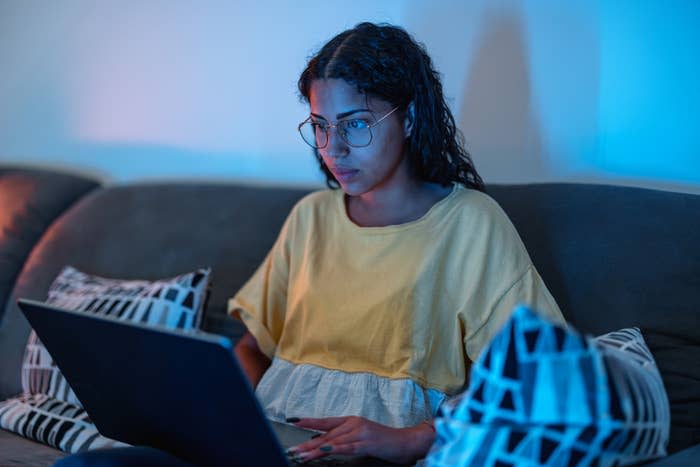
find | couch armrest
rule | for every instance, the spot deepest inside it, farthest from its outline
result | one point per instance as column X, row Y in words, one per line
column 30, row 201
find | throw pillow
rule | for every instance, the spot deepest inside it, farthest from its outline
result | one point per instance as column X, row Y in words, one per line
column 541, row 394
column 48, row 411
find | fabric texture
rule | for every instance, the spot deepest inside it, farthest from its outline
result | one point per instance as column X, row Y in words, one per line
column 47, row 410
column 542, row 394
column 374, row 300
column 312, row 391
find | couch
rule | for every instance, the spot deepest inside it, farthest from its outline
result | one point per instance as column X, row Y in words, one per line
column 612, row 257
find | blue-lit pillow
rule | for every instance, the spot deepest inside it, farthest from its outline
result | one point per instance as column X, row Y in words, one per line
column 541, row 394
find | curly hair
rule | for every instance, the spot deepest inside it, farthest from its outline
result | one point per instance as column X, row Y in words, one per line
column 384, row 61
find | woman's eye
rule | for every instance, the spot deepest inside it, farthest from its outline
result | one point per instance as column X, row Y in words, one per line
column 356, row 123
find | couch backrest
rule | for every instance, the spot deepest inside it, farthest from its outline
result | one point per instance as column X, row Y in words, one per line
column 612, row 256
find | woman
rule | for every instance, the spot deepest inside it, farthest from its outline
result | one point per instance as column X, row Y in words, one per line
column 365, row 315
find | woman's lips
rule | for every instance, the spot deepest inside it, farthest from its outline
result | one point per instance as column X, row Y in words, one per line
column 343, row 174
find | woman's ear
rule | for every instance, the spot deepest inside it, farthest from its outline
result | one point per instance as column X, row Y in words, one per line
column 409, row 120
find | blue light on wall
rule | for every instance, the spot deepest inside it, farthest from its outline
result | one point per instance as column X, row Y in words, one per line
column 604, row 91
column 649, row 99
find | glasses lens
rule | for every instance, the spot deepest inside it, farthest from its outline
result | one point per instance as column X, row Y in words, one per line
column 313, row 134
column 355, row 132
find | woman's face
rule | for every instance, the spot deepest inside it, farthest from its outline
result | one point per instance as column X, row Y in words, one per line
column 360, row 170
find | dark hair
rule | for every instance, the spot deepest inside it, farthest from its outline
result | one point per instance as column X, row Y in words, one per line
column 385, row 61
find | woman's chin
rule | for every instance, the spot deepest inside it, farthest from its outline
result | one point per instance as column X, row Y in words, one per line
column 348, row 187
column 351, row 189
column 349, row 192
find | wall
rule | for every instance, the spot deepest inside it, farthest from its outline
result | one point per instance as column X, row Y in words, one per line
column 543, row 90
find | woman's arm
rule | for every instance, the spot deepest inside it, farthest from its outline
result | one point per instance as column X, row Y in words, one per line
column 251, row 358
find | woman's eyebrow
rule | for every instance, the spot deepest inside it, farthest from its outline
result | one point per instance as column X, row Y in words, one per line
column 342, row 114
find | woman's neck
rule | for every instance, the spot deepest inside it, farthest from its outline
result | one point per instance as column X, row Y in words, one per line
column 395, row 206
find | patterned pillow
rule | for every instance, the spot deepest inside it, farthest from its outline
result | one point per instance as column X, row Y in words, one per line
column 48, row 411
column 540, row 394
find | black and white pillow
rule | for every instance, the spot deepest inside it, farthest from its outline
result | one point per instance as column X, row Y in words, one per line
column 45, row 419
column 542, row 394
column 48, row 411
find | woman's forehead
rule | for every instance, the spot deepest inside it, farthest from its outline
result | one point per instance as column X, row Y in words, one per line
column 330, row 97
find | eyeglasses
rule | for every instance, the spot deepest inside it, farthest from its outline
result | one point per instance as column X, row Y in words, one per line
column 356, row 132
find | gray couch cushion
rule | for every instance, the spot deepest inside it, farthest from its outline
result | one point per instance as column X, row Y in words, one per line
column 30, row 200
column 630, row 251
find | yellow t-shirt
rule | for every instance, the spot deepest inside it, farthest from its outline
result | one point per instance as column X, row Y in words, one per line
column 416, row 300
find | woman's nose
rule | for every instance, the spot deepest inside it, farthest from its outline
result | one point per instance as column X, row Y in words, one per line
column 336, row 147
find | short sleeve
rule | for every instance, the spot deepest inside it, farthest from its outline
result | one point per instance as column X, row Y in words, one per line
column 528, row 289
column 261, row 303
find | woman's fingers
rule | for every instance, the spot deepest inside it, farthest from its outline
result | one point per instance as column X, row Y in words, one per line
column 340, row 426
column 322, row 424
column 358, row 436
column 309, row 445
column 351, row 437
column 345, row 449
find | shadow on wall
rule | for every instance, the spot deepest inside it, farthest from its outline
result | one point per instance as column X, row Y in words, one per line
column 496, row 115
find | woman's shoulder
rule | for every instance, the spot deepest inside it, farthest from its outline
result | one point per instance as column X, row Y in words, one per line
column 320, row 199
column 483, row 224
column 480, row 215
column 470, row 202
column 317, row 197
column 315, row 204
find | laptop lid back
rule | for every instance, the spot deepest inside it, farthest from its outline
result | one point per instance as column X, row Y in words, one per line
column 182, row 392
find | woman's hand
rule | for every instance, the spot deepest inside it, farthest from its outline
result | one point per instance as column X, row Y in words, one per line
column 357, row 436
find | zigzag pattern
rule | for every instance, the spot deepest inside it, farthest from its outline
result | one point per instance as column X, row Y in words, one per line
column 58, row 424
column 540, row 394
column 173, row 303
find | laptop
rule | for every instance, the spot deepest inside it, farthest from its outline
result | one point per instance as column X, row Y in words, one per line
column 179, row 391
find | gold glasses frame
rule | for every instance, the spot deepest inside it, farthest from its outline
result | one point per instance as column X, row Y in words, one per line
column 343, row 136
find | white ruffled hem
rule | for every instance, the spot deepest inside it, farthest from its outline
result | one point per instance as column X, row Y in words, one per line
column 290, row 390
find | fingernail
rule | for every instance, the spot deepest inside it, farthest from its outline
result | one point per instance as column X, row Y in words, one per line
column 326, row 448
column 316, row 435
column 292, row 419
